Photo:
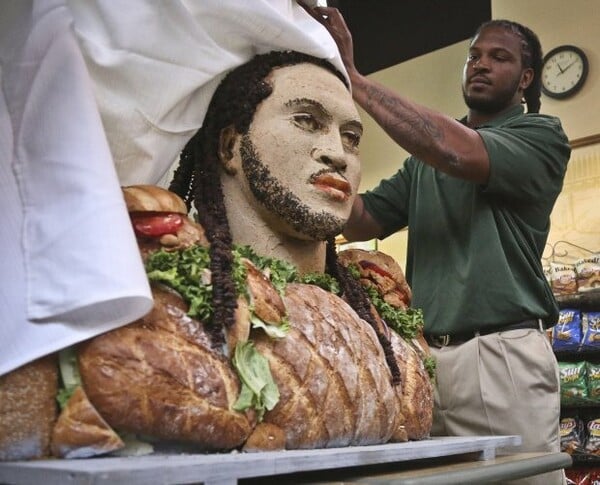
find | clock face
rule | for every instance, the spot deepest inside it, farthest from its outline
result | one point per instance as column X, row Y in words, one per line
column 564, row 71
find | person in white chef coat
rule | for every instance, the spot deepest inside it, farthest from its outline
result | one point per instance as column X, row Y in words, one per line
column 95, row 95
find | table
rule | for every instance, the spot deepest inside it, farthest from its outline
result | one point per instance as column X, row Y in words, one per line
column 419, row 458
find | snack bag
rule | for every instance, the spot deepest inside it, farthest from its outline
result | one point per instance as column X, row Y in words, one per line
column 592, row 444
column 566, row 334
column 590, row 329
column 572, row 435
column 587, row 272
column 593, row 380
column 563, row 279
column 573, row 385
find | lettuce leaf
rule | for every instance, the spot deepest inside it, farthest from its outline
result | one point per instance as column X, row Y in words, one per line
column 258, row 391
column 186, row 272
column 273, row 331
column 69, row 375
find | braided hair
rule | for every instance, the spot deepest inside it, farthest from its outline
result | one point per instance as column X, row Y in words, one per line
column 197, row 177
column 531, row 57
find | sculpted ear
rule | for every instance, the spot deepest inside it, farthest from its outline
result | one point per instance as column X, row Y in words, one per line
column 227, row 139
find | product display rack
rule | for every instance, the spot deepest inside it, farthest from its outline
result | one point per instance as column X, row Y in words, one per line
column 586, row 409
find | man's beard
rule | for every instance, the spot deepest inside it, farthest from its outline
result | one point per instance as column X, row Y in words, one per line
column 492, row 105
column 276, row 198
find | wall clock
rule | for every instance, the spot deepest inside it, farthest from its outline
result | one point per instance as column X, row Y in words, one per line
column 564, row 71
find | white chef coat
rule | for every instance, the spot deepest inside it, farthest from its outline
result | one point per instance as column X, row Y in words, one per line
column 95, row 95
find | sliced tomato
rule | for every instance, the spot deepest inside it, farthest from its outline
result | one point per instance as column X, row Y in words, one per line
column 156, row 224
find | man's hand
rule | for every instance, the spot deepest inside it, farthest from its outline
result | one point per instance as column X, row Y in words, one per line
column 334, row 22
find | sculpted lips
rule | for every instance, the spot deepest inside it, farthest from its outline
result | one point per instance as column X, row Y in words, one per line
column 336, row 187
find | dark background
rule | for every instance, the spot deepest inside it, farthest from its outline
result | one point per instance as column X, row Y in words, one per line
column 387, row 32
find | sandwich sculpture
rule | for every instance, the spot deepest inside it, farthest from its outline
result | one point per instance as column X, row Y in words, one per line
column 298, row 369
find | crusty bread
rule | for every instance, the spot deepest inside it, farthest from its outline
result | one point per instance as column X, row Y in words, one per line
column 265, row 437
column 151, row 198
column 265, row 300
column 331, row 373
column 160, row 377
column 415, row 392
column 81, row 432
column 28, row 409
column 389, row 280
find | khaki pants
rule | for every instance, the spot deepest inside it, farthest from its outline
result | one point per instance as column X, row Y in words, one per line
column 505, row 383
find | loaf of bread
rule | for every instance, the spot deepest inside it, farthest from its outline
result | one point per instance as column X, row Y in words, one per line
column 161, row 377
column 415, row 393
column 81, row 432
column 28, row 409
column 331, row 373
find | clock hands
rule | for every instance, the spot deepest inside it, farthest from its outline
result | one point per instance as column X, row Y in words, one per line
column 562, row 70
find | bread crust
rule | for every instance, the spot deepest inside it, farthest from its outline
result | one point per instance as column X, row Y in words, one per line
column 160, row 377
column 151, row 198
column 28, row 409
column 81, row 432
column 331, row 373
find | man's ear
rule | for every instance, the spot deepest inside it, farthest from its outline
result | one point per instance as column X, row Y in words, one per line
column 526, row 78
column 227, row 139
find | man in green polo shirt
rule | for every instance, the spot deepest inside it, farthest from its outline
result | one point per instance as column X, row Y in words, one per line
column 476, row 195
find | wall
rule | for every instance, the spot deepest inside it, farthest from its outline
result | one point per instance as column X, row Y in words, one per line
column 434, row 81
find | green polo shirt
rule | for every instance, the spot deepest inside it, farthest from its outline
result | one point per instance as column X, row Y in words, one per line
column 474, row 252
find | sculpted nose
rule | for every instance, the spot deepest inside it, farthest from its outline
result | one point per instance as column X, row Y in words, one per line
column 335, row 158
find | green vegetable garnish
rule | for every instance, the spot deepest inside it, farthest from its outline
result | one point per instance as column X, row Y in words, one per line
column 406, row 323
column 280, row 272
column 186, row 272
column 430, row 365
column 273, row 331
column 259, row 391
column 69, row 374
column 323, row 280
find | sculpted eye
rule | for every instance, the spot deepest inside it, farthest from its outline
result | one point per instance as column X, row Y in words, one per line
column 351, row 139
column 307, row 121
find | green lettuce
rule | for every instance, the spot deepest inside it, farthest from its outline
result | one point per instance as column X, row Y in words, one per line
column 69, row 375
column 259, row 391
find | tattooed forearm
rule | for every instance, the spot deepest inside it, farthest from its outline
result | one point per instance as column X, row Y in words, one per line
column 400, row 119
column 434, row 138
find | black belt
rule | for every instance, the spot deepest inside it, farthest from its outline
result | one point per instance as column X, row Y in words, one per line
column 460, row 338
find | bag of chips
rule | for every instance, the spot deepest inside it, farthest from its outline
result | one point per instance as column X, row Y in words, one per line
column 566, row 334
column 587, row 272
column 563, row 279
column 590, row 329
column 592, row 444
column 593, row 380
column 572, row 435
column 573, row 385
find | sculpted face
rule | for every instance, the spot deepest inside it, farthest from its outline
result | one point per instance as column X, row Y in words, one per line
column 298, row 164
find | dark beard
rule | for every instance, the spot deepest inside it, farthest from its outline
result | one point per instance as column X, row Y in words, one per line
column 277, row 199
column 495, row 105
